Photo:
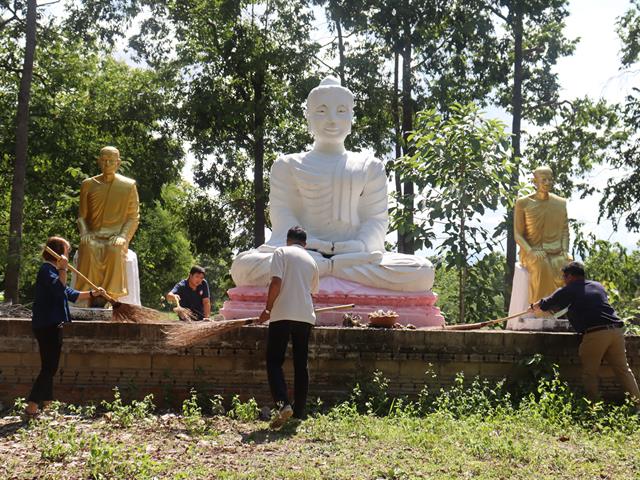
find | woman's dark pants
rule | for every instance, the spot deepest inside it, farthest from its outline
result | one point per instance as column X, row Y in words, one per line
column 50, row 344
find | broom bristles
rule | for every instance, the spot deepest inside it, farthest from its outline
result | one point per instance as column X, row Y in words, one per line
column 186, row 314
column 187, row 335
column 127, row 313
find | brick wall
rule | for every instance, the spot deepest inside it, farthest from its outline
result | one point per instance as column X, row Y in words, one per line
column 100, row 355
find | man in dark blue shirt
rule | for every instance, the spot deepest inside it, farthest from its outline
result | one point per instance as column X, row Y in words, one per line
column 591, row 316
column 192, row 293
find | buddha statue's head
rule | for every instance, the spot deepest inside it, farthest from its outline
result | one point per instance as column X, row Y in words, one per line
column 543, row 179
column 109, row 160
column 329, row 111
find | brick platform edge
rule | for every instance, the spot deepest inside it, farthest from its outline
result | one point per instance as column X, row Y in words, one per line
column 98, row 356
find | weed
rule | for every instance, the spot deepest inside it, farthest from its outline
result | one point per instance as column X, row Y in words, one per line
column 192, row 415
column 57, row 444
column 19, row 404
column 110, row 461
column 245, row 412
column 124, row 415
column 217, row 405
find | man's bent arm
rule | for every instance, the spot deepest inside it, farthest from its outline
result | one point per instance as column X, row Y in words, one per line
column 558, row 300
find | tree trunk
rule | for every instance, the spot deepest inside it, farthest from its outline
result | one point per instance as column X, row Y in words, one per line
column 258, row 155
column 12, row 276
column 395, row 111
column 336, row 19
column 407, row 127
column 462, row 267
column 515, row 142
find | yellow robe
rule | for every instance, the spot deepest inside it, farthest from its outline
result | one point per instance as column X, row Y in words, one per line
column 107, row 209
column 544, row 225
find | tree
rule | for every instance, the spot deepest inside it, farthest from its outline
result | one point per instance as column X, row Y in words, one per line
column 533, row 42
column 20, row 160
column 483, row 289
column 81, row 101
column 583, row 134
column 621, row 197
column 462, row 169
column 243, row 70
column 440, row 51
column 13, row 267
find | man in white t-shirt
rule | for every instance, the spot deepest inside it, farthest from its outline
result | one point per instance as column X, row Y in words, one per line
column 294, row 277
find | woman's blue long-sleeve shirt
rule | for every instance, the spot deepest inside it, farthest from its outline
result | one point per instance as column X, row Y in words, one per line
column 51, row 305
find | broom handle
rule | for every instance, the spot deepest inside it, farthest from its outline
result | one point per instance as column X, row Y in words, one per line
column 77, row 272
column 467, row 326
column 504, row 319
column 317, row 310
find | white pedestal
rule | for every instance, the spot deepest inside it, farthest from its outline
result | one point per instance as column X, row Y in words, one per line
column 133, row 279
column 520, row 302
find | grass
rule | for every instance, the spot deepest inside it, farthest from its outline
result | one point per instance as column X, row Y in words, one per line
column 472, row 430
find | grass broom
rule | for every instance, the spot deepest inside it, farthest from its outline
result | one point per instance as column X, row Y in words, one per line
column 475, row 326
column 187, row 335
column 122, row 312
column 185, row 314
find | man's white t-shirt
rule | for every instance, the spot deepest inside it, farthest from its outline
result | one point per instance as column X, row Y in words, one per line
column 300, row 278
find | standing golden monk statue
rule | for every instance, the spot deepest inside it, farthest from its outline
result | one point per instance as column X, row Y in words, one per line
column 108, row 218
column 541, row 230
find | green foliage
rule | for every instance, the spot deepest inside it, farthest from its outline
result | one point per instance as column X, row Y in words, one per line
column 242, row 70
column 109, row 460
column 124, row 415
column 19, row 404
column 543, row 44
column 621, row 197
column 60, row 442
column 482, row 294
column 205, row 222
column 628, row 28
column 164, row 256
column 217, row 405
column 371, row 397
column 81, row 100
column 481, row 398
column 582, row 135
column 462, row 169
column 192, row 415
column 244, row 411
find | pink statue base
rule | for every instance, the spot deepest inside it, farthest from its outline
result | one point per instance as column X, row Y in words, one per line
column 416, row 308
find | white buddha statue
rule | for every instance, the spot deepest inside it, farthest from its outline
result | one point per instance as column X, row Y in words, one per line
column 340, row 198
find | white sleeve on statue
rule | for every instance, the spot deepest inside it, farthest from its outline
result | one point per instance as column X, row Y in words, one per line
column 282, row 192
column 373, row 208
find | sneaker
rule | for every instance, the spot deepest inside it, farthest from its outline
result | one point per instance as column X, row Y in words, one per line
column 281, row 418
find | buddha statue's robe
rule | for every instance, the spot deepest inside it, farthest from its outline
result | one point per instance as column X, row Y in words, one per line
column 336, row 198
column 107, row 209
column 544, row 226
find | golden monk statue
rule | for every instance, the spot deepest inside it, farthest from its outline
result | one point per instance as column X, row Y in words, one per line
column 108, row 218
column 541, row 230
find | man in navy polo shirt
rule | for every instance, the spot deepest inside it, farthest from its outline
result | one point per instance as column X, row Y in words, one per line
column 591, row 315
column 193, row 293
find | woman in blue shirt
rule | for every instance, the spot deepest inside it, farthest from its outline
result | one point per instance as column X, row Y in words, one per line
column 50, row 313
